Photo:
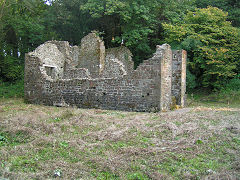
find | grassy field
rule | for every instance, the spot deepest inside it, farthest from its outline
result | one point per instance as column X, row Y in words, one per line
column 198, row 142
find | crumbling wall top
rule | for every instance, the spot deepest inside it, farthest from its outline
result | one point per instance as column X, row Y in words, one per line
column 92, row 54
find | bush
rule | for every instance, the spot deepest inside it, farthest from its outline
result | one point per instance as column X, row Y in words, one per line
column 191, row 81
column 9, row 90
column 231, row 91
column 10, row 69
column 233, row 84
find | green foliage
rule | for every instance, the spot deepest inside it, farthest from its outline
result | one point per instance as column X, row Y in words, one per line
column 173, row 11
column 191, row 81
column 64, row 20
column 135, row 23
column 227, row 96
column 231, row 6
column 9, row 90
column 130, row 22
column 233, row 84
column 21, row 31
column 212, row 44
column 10, row 68
column 231, row 90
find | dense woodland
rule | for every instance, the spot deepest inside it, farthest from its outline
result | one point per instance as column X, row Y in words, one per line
column 208, row 29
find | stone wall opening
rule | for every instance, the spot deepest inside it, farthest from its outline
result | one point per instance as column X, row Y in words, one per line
column 50, row 70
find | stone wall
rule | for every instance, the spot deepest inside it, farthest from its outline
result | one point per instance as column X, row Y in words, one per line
column 118, row 62
column 92, row 54
column 96, row 78
column 121, row 94
column 76, row 73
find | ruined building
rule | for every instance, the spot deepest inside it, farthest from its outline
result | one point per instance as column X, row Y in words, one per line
column 91, row 76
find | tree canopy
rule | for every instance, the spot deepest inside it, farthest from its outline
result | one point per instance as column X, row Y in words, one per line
column 212, row 42
column 21, row 31
column 206, row 33
column 230, row 6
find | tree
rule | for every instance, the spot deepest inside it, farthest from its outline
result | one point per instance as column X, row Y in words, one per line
column 27, row 23
column 116, row 20
column 136, row 23
column 231, row 6
column 21, row 32
column 212, row 42
column 67, row 21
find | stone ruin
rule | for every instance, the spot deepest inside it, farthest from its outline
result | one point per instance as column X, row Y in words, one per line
column 91, row 76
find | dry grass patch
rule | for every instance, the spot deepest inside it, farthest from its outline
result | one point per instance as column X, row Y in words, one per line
column 41, row 142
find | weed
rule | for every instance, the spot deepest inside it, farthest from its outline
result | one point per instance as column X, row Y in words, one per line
column 55, row 120
column 116, row 114
column 118, row 145
column 67, row 114
column 24, row 164
column 179, row 164
column 64, row 144
column 199, row 141
column 137, row 176
column 13, row 138
column 236, row 140
column 224, row 98
column 155, row 117
column 64, row 116
column 178, row 123
column 105, row 175
column 64, row 128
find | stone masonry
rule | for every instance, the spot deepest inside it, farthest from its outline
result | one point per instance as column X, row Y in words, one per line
column 91, row 76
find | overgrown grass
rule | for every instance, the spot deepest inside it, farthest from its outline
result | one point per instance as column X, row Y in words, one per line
column 51, row 142
column 223, row 98
column 214, row 156
column 227, row 96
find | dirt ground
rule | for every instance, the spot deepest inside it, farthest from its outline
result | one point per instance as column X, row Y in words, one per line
column 41, row 142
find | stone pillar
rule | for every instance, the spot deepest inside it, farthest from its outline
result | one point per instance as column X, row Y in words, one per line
column 183, row 78
column 179, row 76
column 166, row 77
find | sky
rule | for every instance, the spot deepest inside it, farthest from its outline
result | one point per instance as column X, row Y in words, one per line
column 48, row 2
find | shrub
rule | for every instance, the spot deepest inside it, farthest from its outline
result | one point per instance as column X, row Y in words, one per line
column 9, row 90
column 191, row 81
column 10, row 69
column 231, row 91
column 233, row 84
